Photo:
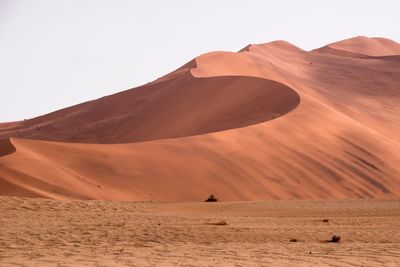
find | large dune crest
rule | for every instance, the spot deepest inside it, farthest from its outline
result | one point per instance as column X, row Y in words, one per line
column 361, row 45
column 271, row 121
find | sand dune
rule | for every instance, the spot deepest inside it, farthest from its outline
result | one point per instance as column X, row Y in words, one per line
column 362, row 45
column 269, row 122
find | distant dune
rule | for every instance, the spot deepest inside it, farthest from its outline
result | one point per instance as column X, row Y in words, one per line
column 364, row 46
column 269, row 122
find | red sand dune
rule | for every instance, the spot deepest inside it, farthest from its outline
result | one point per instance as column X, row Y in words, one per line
column 362, row 45
column 269, row 122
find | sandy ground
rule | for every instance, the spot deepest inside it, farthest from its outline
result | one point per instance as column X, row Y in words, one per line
column 38, row 232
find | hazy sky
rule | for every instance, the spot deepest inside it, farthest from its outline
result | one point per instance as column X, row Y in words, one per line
column 56, row 53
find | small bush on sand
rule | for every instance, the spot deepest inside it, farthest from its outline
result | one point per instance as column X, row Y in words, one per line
column 335, row 239
column 211, row 198
column 296, row 240
column 221, row 223
column 325, row 220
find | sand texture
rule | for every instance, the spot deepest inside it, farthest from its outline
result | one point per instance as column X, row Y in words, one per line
column 38, row 232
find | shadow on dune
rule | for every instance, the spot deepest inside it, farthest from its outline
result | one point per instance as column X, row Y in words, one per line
column 6, row 147
column 176, row 107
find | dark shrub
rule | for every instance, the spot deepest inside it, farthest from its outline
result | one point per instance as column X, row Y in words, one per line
column 221, row 223
column 211, row 198
column 335, row 239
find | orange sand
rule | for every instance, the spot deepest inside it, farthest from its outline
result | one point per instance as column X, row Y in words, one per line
column 38, row 232
column 269, row 122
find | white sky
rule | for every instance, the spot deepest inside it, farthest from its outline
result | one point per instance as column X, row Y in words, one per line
column 56, row 53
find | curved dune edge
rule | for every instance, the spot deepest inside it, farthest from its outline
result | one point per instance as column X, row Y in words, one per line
column 180, row 106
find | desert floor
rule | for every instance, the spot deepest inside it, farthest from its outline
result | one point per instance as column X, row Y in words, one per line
column 39, row 232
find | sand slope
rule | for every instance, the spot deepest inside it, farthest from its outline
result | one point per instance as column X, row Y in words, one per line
column 269, row 122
